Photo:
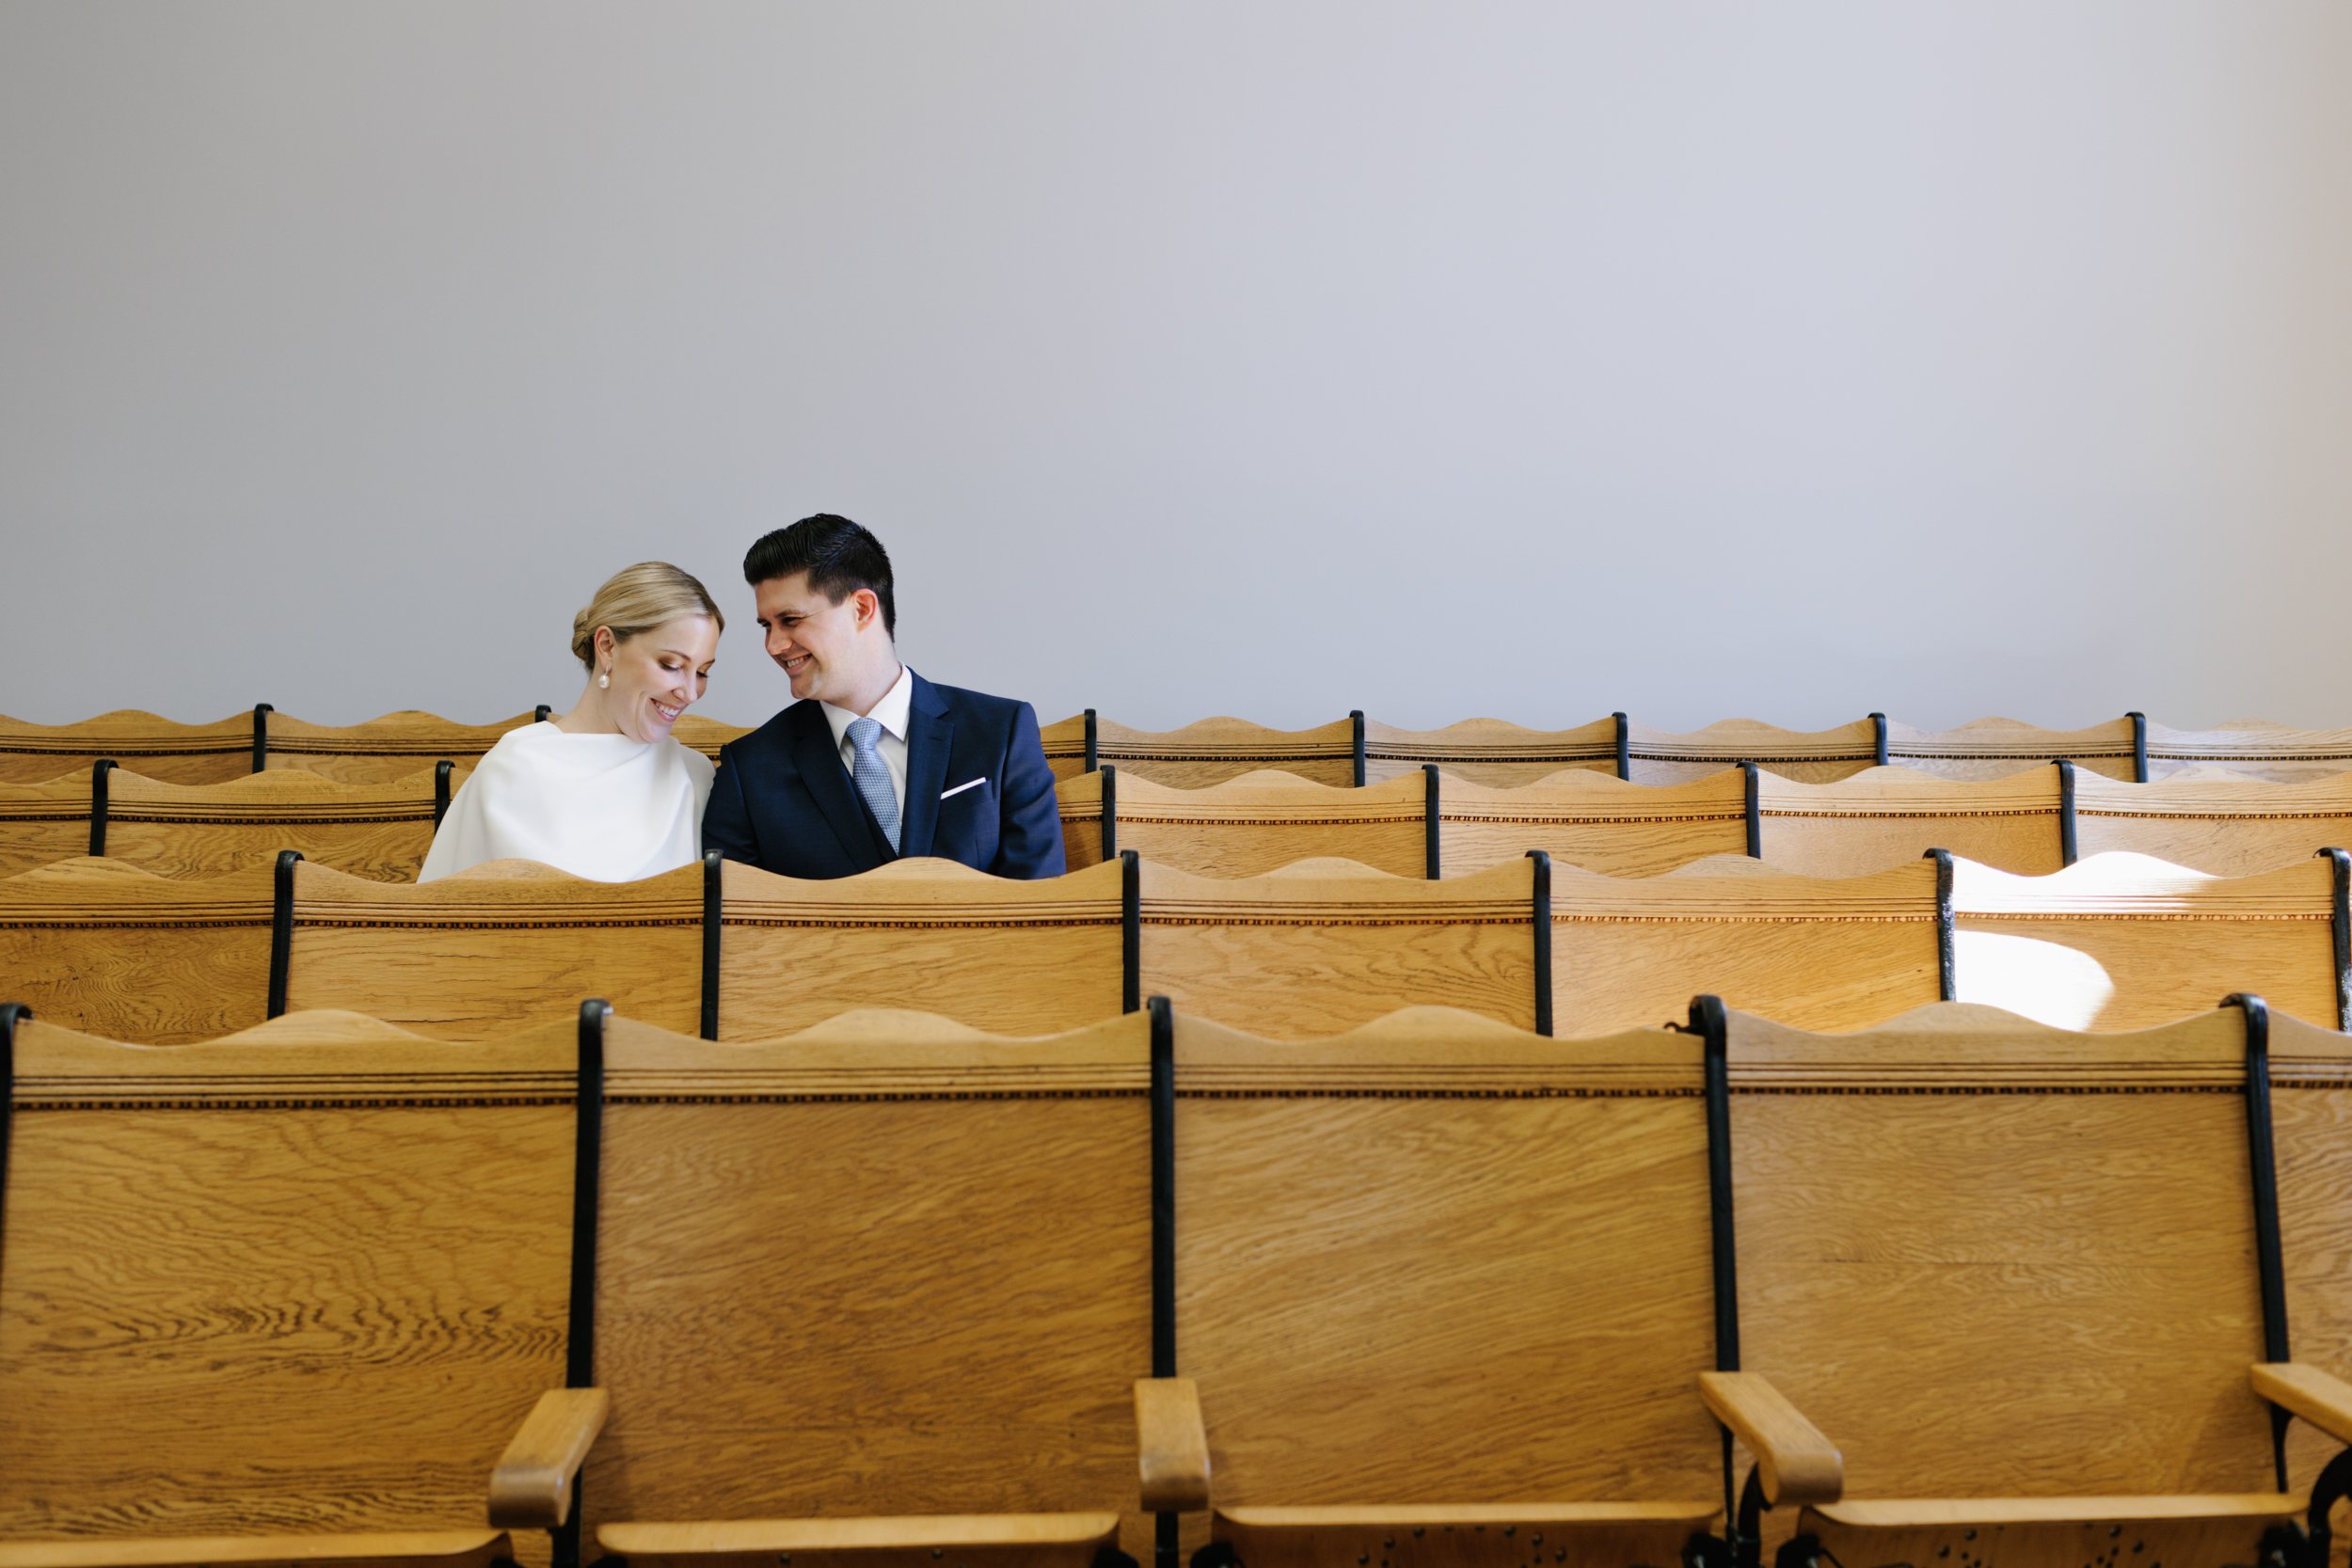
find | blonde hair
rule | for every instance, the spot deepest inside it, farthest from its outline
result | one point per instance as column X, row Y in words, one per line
column 636, row 599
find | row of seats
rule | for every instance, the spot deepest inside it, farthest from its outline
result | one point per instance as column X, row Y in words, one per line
column 1348, row 752
column 1958, row 1289
column 1432, row 823
column 731, row 952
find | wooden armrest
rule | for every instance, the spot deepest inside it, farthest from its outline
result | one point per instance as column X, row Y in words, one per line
column 1172, row 1445
column 2319, row 1397
column 531, row 1488
column 1793, row 1460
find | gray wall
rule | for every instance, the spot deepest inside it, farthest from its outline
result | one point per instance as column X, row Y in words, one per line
column 1274, row 357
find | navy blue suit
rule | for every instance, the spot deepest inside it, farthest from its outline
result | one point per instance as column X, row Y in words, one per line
column 783, row 801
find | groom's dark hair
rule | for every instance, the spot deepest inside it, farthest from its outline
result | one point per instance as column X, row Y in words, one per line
column 839, row 556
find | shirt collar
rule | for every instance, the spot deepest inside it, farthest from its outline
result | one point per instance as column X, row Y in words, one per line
column 891, row 713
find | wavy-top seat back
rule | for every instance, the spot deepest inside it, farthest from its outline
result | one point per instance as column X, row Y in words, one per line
column 184, row 754
column 2123, row 942
column 97, row 945
column 1323, row 945
column 1257, row 822
column 2232, row 827
column 391, row 746
column 1816, row 756
column 886, row 1267
column 43, row 823
column 1489, row 752
column 991, row 952
column 2012, row 1272
column 2255, row 748
column 1887, row 816
column 2310, row 1104
column 1593, row 821
column 295, row 1283
column 1996, row 748
column 1825, row 953
column 499, row 947
column 1207, row 751
column 377, row 829
column 1445, row 1289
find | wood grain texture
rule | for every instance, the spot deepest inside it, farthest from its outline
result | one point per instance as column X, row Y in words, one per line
column 1996, row 748
column 379, row 830
column 2310, row 1112
column 1214, row 750
column 302, row 1280
column 705, row 734
column 1826, row 954
column 1661, row 756
column 1440, row 1262
column 2206, row 1529
column 1558, row 1535
column 1886, row 816
column 43, row 823
column 187, row 754
column 124, row 953
column 1021, row 956
column 925, row 1294
column 497, row 947
column 1593, row 821
column 2230, row 827
column 2123, row 942
column 1963, row 1302
column 1258, row 822
column 535, row 1478
column 1492, row 753
column 2255, row 748
column 1172, row 1443
column 389, row 747
column 967, row 1541
column 1795, row 1463
column 1324, row 946
column 1065, row 744
column 453, row 1548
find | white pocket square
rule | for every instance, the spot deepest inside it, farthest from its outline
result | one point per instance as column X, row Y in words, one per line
column 961, row 787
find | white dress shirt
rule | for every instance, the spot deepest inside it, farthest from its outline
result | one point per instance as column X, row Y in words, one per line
column 891, row 713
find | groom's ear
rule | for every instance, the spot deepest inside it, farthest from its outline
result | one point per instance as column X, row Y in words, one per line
column 867, row 606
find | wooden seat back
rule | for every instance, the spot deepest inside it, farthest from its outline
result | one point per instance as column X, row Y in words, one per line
column 1257, row 822
column 1324, row 946
column 184, row 754
column 886, row 1266
column 701, row 733
column 1996, row 748
column 496, row 948
column 1661, row 756
column 379, row 830
column 1988, row 1259
column 1593, row 821
column 2123, row 942
column 389, row 747
column 112, row 950
column 1214, row 750
column 1489, row 752
column 1628, row 952
column 2311, row 1108
column 1437, row 1260
column 2255, row 748
column 43, row 823
column 991, row 951
column 2231, row 826
column 304, row 1279
column 1887, row 817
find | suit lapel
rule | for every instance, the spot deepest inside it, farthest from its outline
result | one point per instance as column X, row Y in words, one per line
column 929, row 731
column 819, row 760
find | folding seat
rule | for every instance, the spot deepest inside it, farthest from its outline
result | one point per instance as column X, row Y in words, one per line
column 1890, row 815
column 391, row 746
column 2124, row 942
column 1661, row 756
column 1444, row 1289
column 112, row 950
column 991, row 951
column 1593, row 821
column 379, row 830
column 1490, row 752
column 1996, row 748
column 2254, row 748
column 280, row 1298
column 1828, row 953
column 2204, row 818
column 184, row 754
column 2027, row 1282
column 1257, row 822
column 43, row 823
column 875, row 1293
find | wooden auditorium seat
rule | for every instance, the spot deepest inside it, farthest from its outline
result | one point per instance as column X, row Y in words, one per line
column 1889, row 815
column 2254, row 748
column 704, row 734
column 2016, row 1275
column 1445, row 1290
column 42, row 823
column 1257, row 822
column 876, row 1293
column 2214, row 821
column 389, row 747
column 379, row 830
column 1490, row 752
column 2310, row 1105
column 991, row 951
column 1214, row 750
column 184, row 754
column 113, row 950
column 1324, row 946
column 501, row 947
column 2124, row 942
column 1661, row 756
column 1996, row 748
column 276, row 1299
column 1629, row 952
column 1593, row 821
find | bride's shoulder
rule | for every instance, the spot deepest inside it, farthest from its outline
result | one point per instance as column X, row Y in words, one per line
column 698, row 767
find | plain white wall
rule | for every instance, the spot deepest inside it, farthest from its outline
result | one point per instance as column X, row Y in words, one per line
column 1264, row 356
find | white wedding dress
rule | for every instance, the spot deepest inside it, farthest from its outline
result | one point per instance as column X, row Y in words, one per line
column 600, row 806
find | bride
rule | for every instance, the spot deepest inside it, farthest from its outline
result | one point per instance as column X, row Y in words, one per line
column 602, row 791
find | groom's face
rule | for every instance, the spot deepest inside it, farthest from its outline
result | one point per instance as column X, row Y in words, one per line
column 822, row 646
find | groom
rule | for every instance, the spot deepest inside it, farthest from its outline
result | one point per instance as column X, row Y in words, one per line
column 874, row 762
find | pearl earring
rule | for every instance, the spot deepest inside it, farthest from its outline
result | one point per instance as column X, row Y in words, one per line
column 604, row 680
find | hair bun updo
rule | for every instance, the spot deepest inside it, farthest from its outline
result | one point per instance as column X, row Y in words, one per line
column 636, row 599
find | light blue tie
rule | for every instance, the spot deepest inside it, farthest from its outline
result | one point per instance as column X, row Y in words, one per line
column 872, row 777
